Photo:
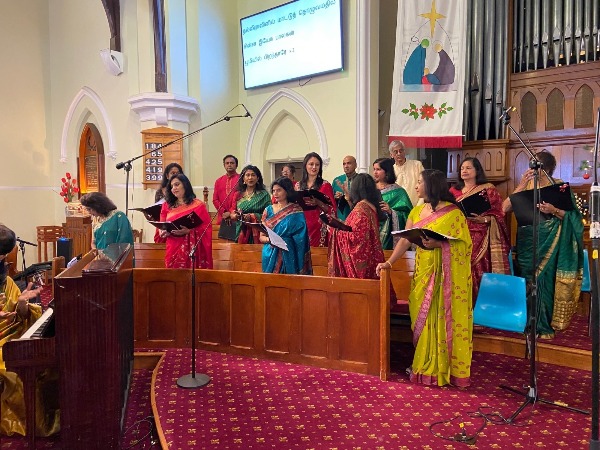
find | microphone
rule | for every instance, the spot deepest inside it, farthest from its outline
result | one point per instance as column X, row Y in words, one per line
column 247, row 112
column 21, row 241
column 505, row 112
column 120, row 165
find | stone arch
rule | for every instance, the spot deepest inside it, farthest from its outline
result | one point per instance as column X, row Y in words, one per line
column 85, row 104
column 310, row 122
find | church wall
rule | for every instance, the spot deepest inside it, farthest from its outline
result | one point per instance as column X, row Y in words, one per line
column 25, row 127
column 54, row 57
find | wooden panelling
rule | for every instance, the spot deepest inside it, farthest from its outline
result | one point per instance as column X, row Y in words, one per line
column 325, row 322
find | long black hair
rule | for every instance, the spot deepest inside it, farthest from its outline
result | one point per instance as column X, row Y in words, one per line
column 480, row 177
column 387, row 164
column 165, row 178
column 286, row 184
column 187, row 186
column 304, row 180
column 241, row 186
column 436, row 187
column 363, row 187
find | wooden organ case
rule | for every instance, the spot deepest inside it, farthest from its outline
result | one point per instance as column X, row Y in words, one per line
column 92, row 349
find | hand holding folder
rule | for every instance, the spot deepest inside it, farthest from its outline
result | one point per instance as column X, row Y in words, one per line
column 190, row 220
column 416, row 236
column 151, row 212
column 475, row 204
column 306, row 194
column 334, row 222
column 274, row 239
column 558, row 195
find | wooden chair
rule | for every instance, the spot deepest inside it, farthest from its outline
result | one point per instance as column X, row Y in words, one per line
column 48, row 234
column 138, row 236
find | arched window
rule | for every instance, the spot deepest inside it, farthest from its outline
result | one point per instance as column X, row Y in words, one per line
column 554, row 114
column 584, row 107
column 528, row 112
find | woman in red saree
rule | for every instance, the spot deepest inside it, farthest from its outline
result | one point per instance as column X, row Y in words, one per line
column 180, row 201
column 356, row 253
column 312, row 178
column 491, row 242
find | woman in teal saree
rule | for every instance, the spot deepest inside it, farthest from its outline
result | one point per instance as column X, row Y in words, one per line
column 251, row 200
column 396, row 202
column 559, row 255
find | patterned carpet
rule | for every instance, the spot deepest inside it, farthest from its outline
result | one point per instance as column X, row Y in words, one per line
column 261, row 404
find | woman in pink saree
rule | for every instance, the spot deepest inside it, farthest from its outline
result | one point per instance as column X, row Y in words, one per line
column 440, row 297
column 180, row 201
column 491, row 242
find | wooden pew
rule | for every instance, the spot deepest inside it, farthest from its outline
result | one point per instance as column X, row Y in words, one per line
column 317, row 321
column 244, row 311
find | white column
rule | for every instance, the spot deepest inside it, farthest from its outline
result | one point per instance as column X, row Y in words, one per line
column 363, row 84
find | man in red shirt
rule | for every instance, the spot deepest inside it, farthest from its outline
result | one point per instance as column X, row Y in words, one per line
column 224, row 185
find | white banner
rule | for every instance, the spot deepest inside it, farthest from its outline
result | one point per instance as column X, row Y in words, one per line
column 429, row 74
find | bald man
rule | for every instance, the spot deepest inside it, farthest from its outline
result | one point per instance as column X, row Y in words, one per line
column 341, row 187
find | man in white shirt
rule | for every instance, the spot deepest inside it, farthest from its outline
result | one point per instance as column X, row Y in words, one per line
column 407, row 171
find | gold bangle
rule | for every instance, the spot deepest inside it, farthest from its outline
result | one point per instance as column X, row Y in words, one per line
column 389, row 264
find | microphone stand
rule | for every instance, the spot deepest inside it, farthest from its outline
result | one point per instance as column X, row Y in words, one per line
column 595, row 302
column 531, row 395
column 195, row 380
column 127, row 164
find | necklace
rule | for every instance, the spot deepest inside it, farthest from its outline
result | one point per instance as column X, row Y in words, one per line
column 249, row 196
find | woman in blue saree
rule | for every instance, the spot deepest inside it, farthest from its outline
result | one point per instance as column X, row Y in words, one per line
column 286, row 218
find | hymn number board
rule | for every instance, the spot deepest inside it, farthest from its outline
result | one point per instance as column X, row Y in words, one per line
column 158, row 157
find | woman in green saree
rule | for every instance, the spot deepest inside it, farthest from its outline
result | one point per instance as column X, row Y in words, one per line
column 559, row 254
column 396, row 202
column 251, row 200
column 109, row 226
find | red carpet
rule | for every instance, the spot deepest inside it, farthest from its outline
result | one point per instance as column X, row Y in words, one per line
column 263, row 404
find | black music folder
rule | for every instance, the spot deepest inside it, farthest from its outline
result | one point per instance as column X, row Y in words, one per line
column 334, row 222
column 307, row 193
column 558, row 195
column 415, row 235
column 151, row 212
column 190, row 220
column 475, row 204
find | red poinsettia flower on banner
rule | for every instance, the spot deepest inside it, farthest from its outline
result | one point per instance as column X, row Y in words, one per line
column 68, row 188
column 428, row 111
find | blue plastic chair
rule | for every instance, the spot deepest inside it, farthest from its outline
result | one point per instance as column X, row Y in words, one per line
column 586, row 285
column 501, row 303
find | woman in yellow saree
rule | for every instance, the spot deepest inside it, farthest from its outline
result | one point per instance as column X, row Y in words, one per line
column 441, row 296
column 16, row 316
